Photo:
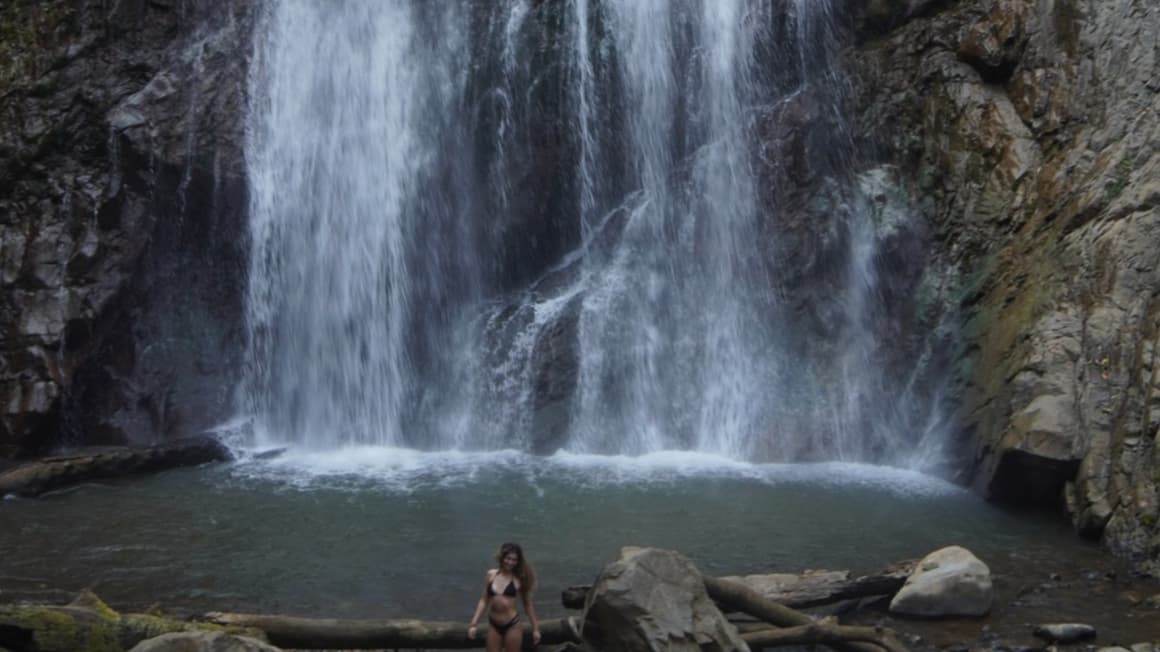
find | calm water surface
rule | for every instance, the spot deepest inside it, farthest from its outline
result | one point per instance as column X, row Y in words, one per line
column 389, row 533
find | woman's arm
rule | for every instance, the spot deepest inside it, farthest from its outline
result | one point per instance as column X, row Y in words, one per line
column 531, row 611
column 480, row 605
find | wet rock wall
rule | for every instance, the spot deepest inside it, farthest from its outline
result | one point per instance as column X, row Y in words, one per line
column 121, row 218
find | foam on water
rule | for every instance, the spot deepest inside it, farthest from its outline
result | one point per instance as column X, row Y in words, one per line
column 403, row 470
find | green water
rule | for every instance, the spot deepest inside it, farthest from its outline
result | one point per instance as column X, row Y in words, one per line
column 384, row 533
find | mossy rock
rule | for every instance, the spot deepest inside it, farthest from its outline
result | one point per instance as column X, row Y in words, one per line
column 139, row 627
column 90, row 625
column 58, row 629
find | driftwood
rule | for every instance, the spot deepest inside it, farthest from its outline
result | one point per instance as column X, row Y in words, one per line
column 325, row 633
column 816, row 588
column 50, row 473
column 824, row 634
column 798, row 590
column 737, row 597
column 734, row 596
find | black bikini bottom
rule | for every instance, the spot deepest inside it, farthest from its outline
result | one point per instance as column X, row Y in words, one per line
column 502, row 628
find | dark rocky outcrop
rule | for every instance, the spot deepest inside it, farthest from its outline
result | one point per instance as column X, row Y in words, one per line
column 121, row 230
column 555, row 365
column 1029, row 134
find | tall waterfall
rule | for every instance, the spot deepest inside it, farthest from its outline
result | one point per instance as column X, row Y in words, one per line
column 542, row 224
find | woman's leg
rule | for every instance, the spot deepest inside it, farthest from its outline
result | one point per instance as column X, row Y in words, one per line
column 494, row 639
column 513, row 639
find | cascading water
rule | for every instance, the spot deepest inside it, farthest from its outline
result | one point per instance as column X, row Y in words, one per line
column 349, row 258
column 538, row 225
column 681, row 292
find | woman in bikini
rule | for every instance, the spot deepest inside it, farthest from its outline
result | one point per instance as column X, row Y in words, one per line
column 513, row 576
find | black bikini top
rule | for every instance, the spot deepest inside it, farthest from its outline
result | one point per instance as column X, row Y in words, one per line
column 510, row 590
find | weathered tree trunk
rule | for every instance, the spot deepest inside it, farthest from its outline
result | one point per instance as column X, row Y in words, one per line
column 819, row 633
column 816, row 588
column 35, row 478
column 327, row 633
column 738, row 597
column 735, row 596
column 798, row 590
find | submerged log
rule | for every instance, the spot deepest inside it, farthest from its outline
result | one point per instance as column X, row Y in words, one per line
column 50, row 473
column 328, row 633
column 798, row 590
column 89, row 624
column 734, row 596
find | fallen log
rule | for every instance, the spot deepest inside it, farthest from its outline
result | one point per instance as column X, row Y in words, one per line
column 798, row 590
column 738, row 597
column 823, row 634
column 734, row 596
column 816, row 588
column 293, row 632
column 51, row 473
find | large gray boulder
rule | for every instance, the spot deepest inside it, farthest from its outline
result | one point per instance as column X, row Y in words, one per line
column 947, row 582
column 202, row 642
column 653, row 599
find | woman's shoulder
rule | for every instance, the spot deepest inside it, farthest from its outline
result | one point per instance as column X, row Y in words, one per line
column 491, row 573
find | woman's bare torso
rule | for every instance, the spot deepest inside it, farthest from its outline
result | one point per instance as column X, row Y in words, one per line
column 502, row 606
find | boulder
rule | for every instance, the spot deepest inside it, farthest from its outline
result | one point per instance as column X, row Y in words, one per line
column 653, row 599
column 202, row 642
column 947, row 582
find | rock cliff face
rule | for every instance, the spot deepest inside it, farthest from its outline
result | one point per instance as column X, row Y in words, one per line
column 121, row 230
column 1029, row 132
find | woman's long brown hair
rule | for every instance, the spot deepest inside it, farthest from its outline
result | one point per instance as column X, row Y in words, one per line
column 523, row 570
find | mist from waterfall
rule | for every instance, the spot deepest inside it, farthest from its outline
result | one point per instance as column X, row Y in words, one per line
column 540, row 225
